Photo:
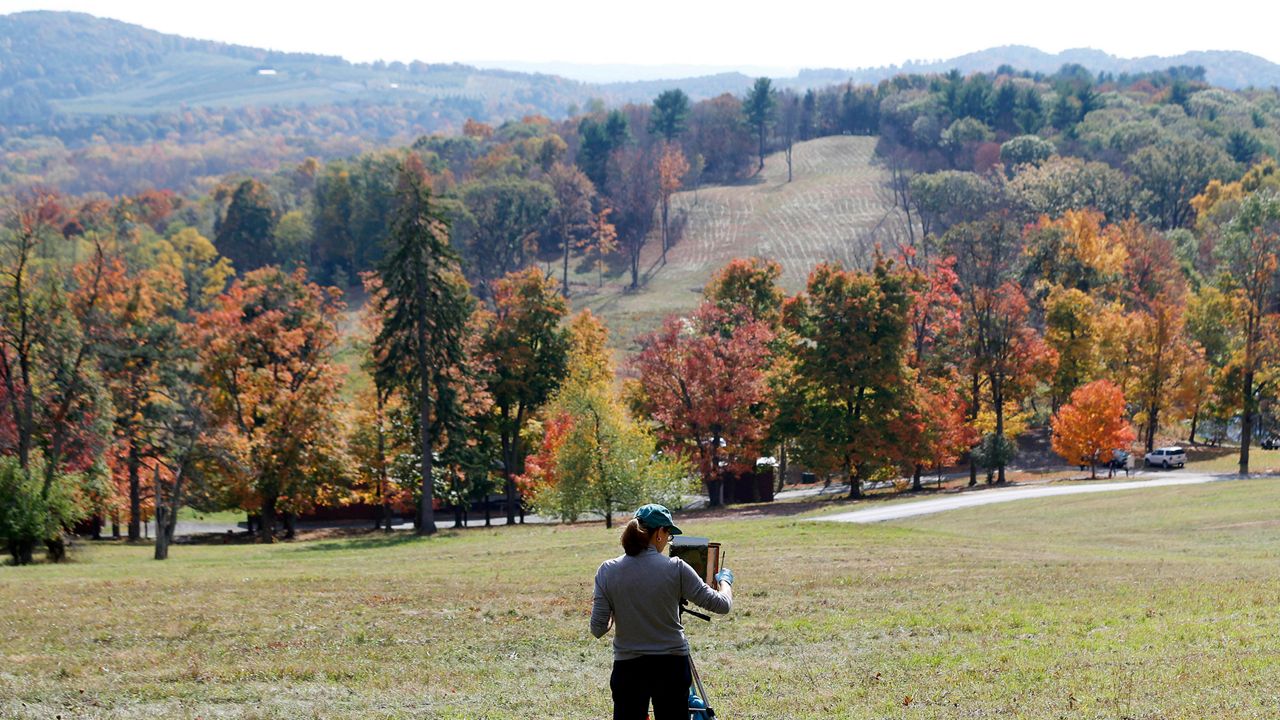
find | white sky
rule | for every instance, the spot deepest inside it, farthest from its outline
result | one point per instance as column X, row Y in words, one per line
column 782, row 34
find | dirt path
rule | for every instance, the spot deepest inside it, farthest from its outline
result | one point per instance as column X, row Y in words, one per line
column 899, row 511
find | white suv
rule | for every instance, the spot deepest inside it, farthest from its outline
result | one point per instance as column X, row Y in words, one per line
column 1166, row 457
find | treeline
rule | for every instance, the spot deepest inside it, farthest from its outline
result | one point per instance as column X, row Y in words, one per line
column 140, row 374
column 941, row 121
column 134, row 382
column 137, row 376
column 1137, row 146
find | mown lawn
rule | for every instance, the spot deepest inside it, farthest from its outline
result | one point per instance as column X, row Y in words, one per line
column 1153, row 604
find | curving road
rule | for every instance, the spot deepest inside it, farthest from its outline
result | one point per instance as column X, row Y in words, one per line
column 1000, row 495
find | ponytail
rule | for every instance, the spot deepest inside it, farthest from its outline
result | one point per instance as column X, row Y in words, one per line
column 635, row 537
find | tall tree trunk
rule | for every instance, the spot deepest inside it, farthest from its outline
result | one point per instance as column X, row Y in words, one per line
column 162, row 537
column 23, row 551
column 973, row 415
column 426, row 511
column 666, row 204
column 564, row 235
column 781, row 480
column 1248, row 405
column 56, row 548
column 916, row 485
column 267, row 520
column 715, row 480
column 997, row 397
column 508, row 470
column 135, row 493
column 1246, row 419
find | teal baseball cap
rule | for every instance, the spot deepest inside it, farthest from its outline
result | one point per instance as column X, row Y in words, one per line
column 654, row 516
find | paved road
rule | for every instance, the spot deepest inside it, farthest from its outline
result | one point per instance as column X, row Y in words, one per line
column 990, row 496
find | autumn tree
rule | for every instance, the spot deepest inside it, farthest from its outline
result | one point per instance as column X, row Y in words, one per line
column 851, row 330
column 751, row 284
column 633, row 195
column 571, row 215
column 1249, row 254
column 266, row 360
column 672, row 168
column 758, row 108
column 936, row 415
column 142, row 359
column 1071, row 319
column 53, row 408
column 601, row 242
column 995, row 314
column 593, row 457
column 204, row 272
column 701, row 380
column 527, row 349
column 1155, row 293
column 425, row 307
column 1091, row 425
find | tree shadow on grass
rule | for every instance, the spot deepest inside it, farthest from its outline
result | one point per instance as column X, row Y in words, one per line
column 366, row 542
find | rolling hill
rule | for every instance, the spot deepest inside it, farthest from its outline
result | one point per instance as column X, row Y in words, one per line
column 55, row 65
column 833, row 210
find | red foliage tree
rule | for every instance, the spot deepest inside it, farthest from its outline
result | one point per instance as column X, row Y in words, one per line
column 702, row 381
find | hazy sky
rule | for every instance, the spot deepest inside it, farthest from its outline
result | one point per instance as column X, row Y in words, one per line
column 781, row 34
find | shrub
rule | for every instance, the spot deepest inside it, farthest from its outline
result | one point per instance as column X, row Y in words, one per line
column 29, row 514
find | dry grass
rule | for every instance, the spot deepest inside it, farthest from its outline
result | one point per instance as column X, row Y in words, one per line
column 1155, row 604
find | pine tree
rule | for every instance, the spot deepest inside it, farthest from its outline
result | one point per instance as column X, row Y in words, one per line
column 425, row 305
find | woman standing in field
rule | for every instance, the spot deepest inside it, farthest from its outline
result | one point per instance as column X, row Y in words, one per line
column 639, row 593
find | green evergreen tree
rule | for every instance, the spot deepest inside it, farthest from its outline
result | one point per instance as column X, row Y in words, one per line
column 758, row 108
column 425, row 306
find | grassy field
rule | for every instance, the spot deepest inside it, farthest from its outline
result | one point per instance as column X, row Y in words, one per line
column 832, row 210
column 1157, row 604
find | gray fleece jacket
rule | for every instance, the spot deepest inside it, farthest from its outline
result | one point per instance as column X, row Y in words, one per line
column 642, row 594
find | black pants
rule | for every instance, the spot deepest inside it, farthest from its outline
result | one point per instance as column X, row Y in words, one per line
column 664, row 678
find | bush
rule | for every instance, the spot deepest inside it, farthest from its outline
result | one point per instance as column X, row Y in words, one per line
column 994, row 451
column 29, row 515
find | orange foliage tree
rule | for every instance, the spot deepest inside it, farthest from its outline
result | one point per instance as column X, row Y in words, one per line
column 266, row 360
column 1091, row 425
column 672, row 166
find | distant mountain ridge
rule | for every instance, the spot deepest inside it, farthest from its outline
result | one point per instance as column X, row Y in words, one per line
column 61, row 64
column 1225, row 68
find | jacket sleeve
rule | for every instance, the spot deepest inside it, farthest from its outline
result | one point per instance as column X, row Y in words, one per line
column 601, row 610
column 693, row 589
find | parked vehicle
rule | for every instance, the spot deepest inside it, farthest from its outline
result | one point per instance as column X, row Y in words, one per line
column 1166, row 457
column 1270, row 442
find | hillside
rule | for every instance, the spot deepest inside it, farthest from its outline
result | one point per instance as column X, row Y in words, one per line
column 56, row 63
column 832, row 210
